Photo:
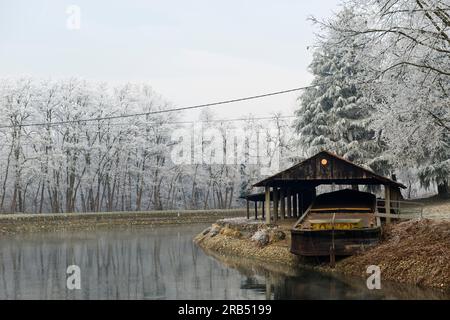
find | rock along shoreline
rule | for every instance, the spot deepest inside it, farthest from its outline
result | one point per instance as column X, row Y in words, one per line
column 414, row 252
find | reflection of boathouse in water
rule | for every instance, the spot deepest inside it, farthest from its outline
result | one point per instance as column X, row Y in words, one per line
column 334, row 223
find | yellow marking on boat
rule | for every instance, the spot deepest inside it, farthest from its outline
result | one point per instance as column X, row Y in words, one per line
column 339, row 224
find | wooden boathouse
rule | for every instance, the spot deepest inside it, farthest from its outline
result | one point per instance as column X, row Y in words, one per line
column 289, row 193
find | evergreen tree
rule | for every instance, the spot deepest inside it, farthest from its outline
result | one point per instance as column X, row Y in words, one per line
column 334, row 115
column 413, row 82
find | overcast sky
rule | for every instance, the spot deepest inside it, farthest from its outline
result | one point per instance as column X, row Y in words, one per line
column 189, row 51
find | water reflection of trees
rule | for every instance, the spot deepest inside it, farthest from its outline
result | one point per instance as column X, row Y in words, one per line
column 283, row 282
column 161, row 263
column 311, row 285
column 135, row 264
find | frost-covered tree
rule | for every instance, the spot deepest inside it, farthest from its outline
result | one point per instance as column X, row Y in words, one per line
column 334, row 114
column 53, row 160
column 57, row 162
column 408, row 59
column 406, row 121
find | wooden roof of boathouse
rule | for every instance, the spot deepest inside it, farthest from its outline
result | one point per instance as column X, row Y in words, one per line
column 326, row 168
column 257, row 196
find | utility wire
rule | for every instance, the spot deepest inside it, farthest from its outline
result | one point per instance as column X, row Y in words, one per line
column 205, row 121
column 159, row 111
column 231, row 120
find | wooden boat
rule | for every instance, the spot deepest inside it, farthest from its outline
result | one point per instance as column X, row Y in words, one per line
column 337, row 223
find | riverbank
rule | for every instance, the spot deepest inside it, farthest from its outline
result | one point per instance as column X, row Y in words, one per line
column 24, row 222
column 413, row 252
column 249, row 238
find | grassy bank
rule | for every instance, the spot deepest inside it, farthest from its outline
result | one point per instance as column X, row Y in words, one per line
column 413, row 252
column 21, row 222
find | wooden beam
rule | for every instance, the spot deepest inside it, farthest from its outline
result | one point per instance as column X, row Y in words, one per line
column 248, row 209
column 294, row 204
column 289, row 203
column 256, row 210
column 387, row 201
column 263, row 210
column 395, row 198
column 275, row 204
column 302, row 210
column 282, row 203
column 267, row 205
column 303, row 216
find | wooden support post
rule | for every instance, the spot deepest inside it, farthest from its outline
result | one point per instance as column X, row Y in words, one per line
column 256, row 210
column 248, row 209
column 275, row 204
column 302, row 209
column 282, row 203
column 289, row 202
column 294, row 204
column 395, row 198
column 267, row 205
column 263, row 210
column 387, row 201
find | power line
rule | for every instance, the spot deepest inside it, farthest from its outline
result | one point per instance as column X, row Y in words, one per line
column 117, row 124
column 232, row 120
column 208, row 121
column 159, row 111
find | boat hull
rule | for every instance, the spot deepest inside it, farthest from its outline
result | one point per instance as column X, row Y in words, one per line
column 346, row 242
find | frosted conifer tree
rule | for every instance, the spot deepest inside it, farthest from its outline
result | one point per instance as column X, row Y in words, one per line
column 334, row 115
column 407, row 51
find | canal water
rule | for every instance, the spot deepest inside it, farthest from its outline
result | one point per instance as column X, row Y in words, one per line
column 161, row 263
